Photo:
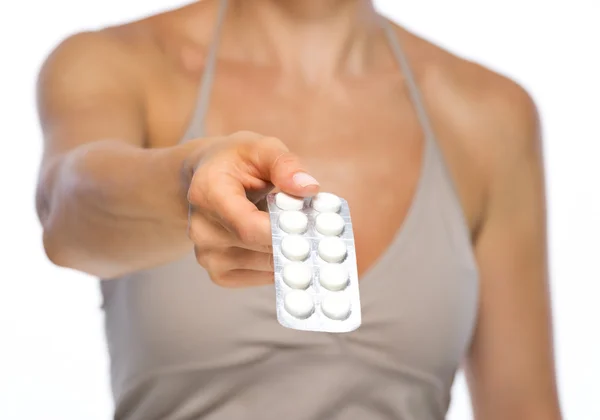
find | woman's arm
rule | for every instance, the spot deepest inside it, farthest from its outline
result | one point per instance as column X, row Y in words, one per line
column 107, row 205
column 510, row 368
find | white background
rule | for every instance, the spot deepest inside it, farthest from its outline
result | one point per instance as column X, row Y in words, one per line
column 52, row 358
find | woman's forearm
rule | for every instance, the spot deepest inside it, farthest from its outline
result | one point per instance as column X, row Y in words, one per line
column 108, row 208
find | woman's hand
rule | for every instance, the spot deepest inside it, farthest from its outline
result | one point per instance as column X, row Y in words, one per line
column 232, row 237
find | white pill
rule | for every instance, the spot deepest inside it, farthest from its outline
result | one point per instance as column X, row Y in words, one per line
column 333, row 277
column 332, row 249
column 299, row 304
column 326, row 202
column 329, row 224
column 287, row 202
column 297, row 275
column 295, row 247
column 293, row 221
column 336, row 306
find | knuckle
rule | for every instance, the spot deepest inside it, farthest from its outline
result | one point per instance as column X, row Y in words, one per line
column 194, row 195
column 272, row 142
column 203, row 257
column 286, row 158
column 211, row 260
column 245, row 233
column 212, row 198
column 200, row 187
column 220, row 279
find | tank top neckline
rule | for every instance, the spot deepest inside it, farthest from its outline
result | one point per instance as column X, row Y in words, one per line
column 430, row 153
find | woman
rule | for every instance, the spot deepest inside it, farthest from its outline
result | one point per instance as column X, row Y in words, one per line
column 439, row 159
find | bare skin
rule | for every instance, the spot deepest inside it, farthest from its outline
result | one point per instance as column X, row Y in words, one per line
column 317, row 81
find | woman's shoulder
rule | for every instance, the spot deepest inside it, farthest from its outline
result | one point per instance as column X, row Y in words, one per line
column 156, row 40
column 483, row 118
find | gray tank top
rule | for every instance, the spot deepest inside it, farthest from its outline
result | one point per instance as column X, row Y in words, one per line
column 183, row 348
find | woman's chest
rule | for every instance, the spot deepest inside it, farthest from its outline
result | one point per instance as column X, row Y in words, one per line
column 371, row 157
column 363, row 143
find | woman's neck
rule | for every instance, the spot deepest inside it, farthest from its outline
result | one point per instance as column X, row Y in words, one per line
column 311, row 39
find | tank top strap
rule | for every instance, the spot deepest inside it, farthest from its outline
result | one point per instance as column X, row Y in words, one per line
column 410, row 81
column 436, row 177
column 196, row 128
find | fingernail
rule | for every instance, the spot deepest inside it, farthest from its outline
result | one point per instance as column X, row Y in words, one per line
column 304, row 180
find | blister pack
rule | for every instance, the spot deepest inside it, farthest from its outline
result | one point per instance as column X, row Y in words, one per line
column 316, row 280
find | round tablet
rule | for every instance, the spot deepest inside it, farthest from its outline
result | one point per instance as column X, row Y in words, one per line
column 293, row 221
column 333, row 277
column 336, row 306
column 296, row 275
column 295, row 247
column 299, row 304
column 332, row 249
column 329, row 224
column 325, row 202
column 288, row 202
